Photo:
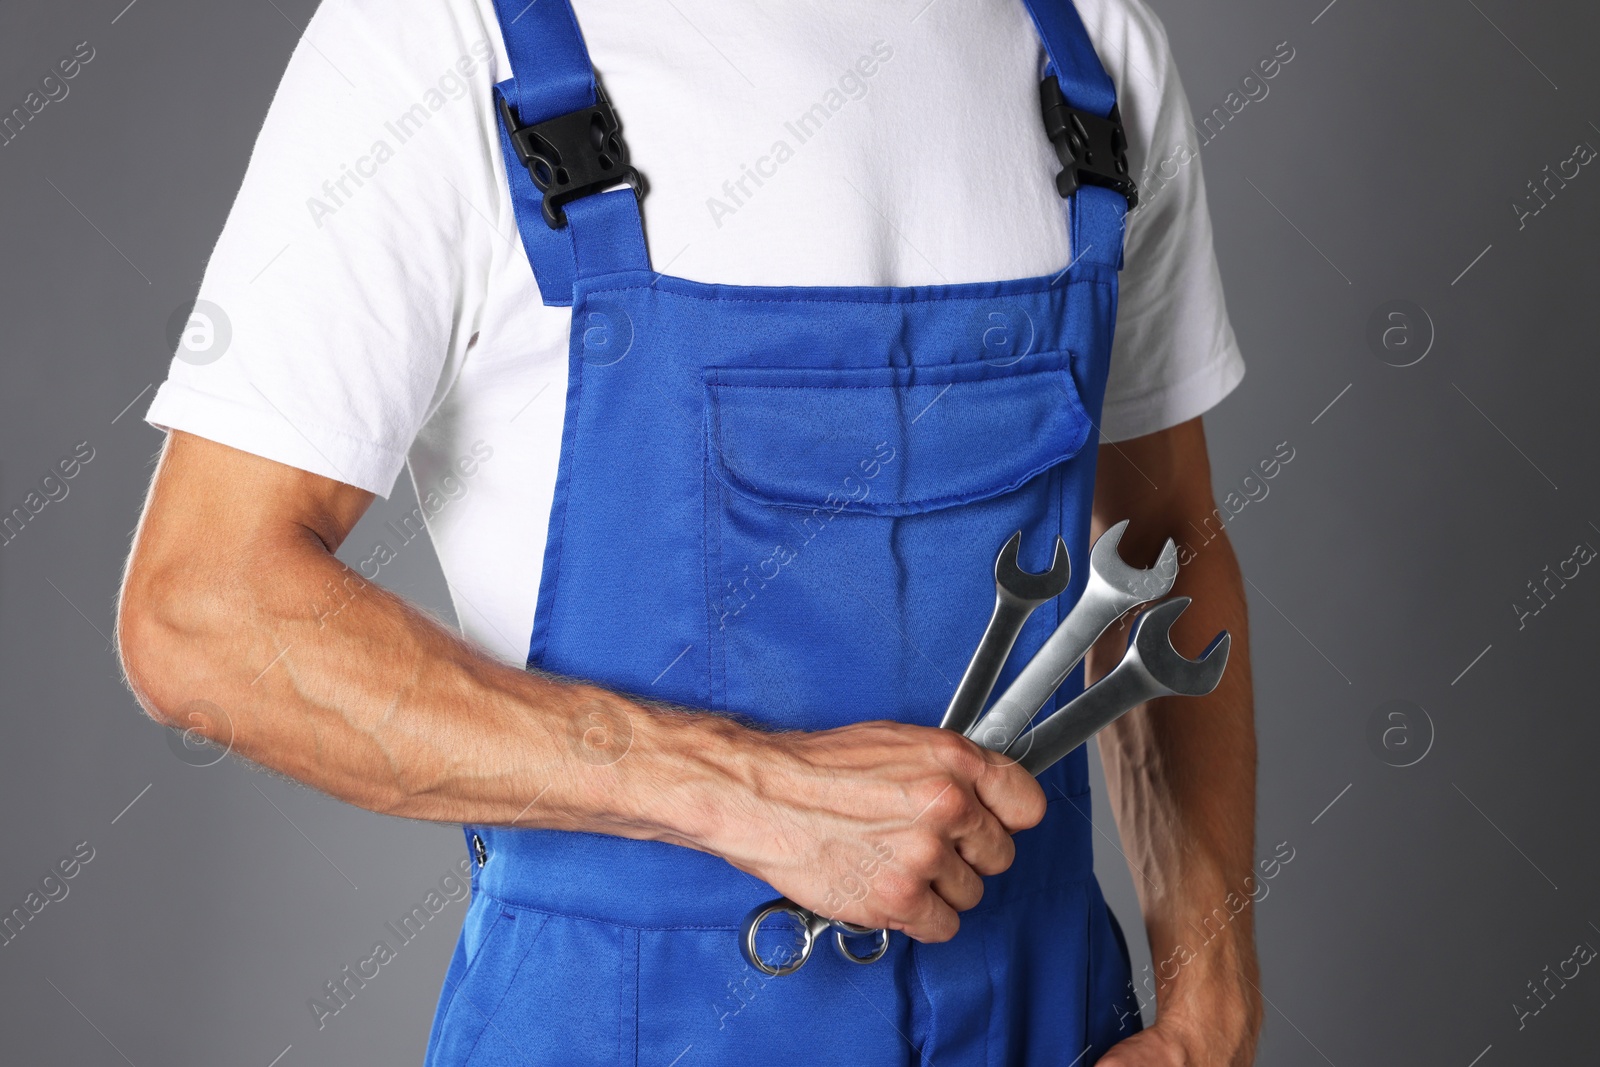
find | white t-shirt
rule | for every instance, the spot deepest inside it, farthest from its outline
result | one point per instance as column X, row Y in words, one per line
column 369, row 305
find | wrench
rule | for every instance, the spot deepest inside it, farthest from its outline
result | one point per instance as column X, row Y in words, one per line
column 1151, row 668
column 1016, row 593
column 1113, row 588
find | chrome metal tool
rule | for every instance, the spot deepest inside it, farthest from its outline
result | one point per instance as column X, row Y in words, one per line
column 1016, row 594
column 1113, row 588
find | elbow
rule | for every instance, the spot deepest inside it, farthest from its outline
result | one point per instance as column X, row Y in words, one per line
column 156, row 653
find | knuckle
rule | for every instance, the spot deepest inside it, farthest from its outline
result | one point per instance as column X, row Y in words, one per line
column 958, row 754
column 1028, row 807
column 900, row 894
column 1038, row 806
column 922, row 854
column 941, row 928
column 949, row 803
column 1003, row 854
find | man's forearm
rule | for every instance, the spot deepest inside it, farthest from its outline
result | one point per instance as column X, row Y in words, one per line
column 1181, row 775
column 238, row 622
column 297, row 663
column 1181, row 771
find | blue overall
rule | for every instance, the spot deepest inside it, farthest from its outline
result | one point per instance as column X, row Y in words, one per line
column 785, row 503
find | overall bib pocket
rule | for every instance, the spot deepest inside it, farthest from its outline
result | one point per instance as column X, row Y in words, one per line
column 869, row 502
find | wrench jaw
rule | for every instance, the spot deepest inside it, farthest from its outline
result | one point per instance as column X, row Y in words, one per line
column 1164, row 665
column 1136, row 585
column 1151, row 668
column 1027, row 586
column 1016, row 594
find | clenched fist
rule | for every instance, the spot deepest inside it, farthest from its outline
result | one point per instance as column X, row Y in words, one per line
column 880, row 823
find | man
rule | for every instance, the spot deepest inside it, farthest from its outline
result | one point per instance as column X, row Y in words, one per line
column 737, row 508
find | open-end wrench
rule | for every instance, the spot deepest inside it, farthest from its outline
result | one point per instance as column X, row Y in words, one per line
column 1016, row 593
column 1151, row 668
column 1113, row 588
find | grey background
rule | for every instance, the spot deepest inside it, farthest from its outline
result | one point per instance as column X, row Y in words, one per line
column 1383, row 562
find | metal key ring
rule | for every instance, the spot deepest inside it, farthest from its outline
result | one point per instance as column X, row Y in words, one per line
column 811, row 926
column 843, row 930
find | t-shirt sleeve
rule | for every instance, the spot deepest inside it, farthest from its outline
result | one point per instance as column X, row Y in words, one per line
column 1174, row 355
column 344, row 289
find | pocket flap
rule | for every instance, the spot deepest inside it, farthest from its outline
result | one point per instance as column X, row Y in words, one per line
column 891, row 440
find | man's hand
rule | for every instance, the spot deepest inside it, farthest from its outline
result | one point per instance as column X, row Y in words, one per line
column 1181, row 771
column 1153, row 1048
column 223, row 630
column 882, row 824
column 1211, row 1027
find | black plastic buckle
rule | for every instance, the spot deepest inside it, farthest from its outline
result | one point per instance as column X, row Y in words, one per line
column 1092, row 150
column 572, row 155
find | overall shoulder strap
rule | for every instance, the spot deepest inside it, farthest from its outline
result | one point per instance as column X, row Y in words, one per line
column 1079, row 103
column 561, row 142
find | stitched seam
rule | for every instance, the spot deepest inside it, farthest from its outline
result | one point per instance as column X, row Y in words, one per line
column 734, row 481
column 546, row 913
column 622, row 988
column 366, row 443
column 983, row 946
column 719, row 377
column 635, row 1012
column 991, row 383
column 1088, row 964
column 901, row 507
column 466, row 974
column 716, row 635
column 822, row 300
column 1061, row 519
column 1051, row 887
column 488, row 1016
column 933, row 1006
column 933, row 298
column 566, row 503
column 1014, row 899
column 727, row 475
